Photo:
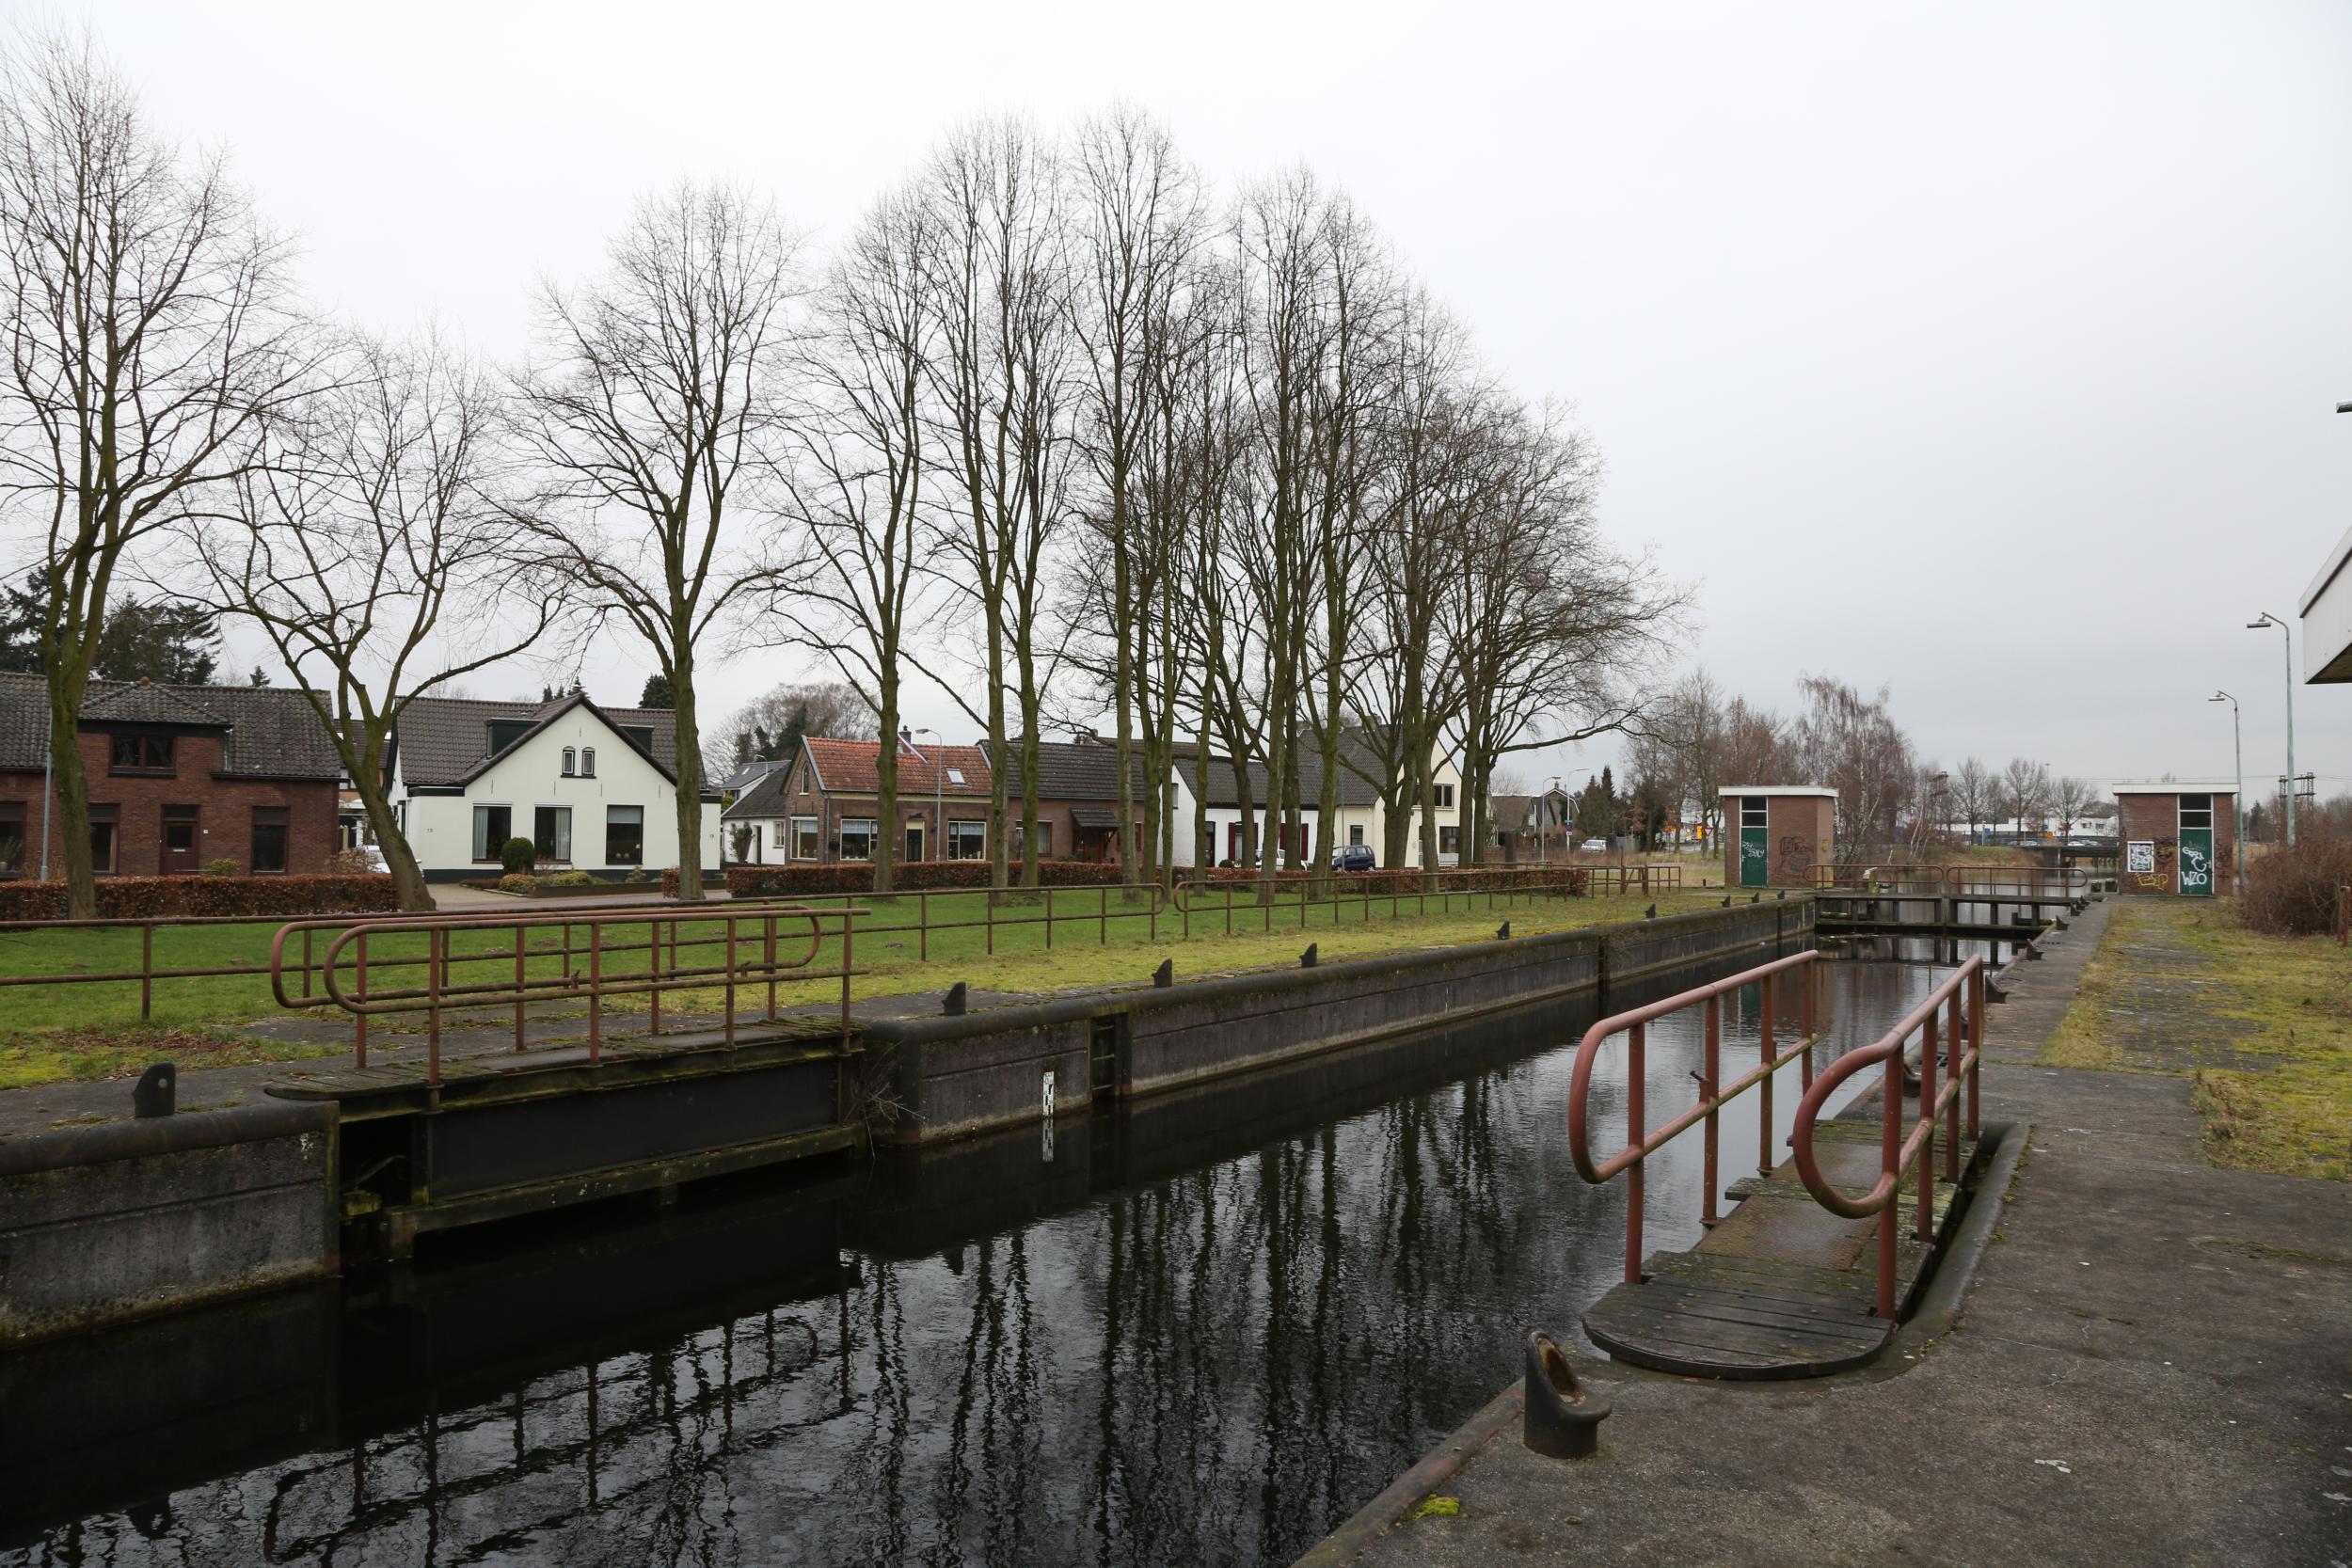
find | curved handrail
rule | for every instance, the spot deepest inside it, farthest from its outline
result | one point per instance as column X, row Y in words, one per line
column 1579, row 1084
column 1887, row 1046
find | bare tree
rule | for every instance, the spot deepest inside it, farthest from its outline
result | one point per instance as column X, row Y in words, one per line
column 856, row 478
column 1004, row 383
column 1974, row 793
column 148, row 335
column 1848, row 740
column 659, row 398
column 369, row 554
column 2070, row 798
column 761, row 728
column 2025, row 793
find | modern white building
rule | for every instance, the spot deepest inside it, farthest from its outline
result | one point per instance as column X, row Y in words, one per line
column 594, row 788
column 2327, row 613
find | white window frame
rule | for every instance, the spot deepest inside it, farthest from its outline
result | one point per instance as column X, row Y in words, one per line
column 962, row 826
column 571, row 760
column 587, row 763
column 815, row 847
column 871, row 830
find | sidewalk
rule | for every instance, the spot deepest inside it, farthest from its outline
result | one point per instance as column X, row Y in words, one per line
column 2150, row 1366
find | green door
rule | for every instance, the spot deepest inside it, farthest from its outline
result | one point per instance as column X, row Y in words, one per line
column 2197, row 862
column 1755, row 845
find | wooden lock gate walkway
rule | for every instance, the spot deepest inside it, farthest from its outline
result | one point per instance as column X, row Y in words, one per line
column 538, row 1083
column 1777, row 1290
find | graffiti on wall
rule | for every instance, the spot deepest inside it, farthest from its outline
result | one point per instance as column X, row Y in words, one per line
column 1796, row 858
column 2151, row 872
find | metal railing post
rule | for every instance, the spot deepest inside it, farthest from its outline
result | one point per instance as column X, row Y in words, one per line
column 1955, row 1049
column 1805, row 1003
column 1771, row 1058
column 1890, row 1158
column 1976, row 1040
column 727, row 1033
column 146, row 970
column 1635, row 1040
column 595, row 986
column 652, row 970
column 1928, row 1045
column 361, row 1031
column 1709, row 1072
column 769, row 960
column 518, row 988
column 433, row 941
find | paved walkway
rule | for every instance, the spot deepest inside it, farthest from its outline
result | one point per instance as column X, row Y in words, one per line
column 2151, row 1367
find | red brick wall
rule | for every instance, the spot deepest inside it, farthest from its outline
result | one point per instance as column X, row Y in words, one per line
column 2156, row 819
column 1802, row 830
column 225, row 823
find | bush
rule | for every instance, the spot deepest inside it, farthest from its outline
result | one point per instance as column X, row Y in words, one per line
column 786, row 881
column 638, row 878
column 165, row 898
column 348, row 862
column 2293, row 892
column 518, row 881
column 222, row 868
column 519, row 854
column 571, row 878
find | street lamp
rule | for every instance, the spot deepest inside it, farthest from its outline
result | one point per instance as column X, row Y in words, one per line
column 2237, row 745
column 2287, row 640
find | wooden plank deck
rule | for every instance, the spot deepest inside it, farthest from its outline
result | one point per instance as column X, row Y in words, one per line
column 1780, row 1288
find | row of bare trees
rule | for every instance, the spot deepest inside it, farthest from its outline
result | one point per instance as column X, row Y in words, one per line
column 1054, row 426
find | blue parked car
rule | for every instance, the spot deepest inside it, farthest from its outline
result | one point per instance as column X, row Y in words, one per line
column 1352, row 857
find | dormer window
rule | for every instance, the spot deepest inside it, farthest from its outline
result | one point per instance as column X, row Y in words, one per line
column 505, row 731
column 955, row 775
column 141, row 753
column 587, row 763
column 570, row 757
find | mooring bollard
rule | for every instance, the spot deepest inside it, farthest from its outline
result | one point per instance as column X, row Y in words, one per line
column 1561, row 1420
column 1502, row 932
column 156, row 1093
column 1165, row 975
column 957, row 998
column 1307, row 960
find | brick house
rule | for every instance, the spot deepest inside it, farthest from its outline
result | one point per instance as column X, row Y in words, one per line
column 824, row 809
column 2176, row 838
column 1077, row 806
column 178, row 776
column 1776, row 835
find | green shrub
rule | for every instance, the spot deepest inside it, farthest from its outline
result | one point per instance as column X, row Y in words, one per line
column 222, row 868
column 162, row 897
column 2293, row 892
column 519, row 854
column 638, row 877
column 518, row 881
column 571, row 878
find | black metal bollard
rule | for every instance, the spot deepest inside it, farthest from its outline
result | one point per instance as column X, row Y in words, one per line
column 1502, row 932
column 1307, row 960
column 957, row 1000
column 1165, row 975
column 157, row 1092
column 1561, row 1420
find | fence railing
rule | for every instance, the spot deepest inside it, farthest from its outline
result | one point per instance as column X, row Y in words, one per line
column 758, row 949
column 1961, row 879
column 1951, row 1017
column 1641, row 1141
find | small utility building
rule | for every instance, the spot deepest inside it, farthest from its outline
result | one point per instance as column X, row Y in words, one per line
column 2178, row 838
column 1776, row 835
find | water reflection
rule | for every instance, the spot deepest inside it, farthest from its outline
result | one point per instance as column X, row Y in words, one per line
column 1203, row 1333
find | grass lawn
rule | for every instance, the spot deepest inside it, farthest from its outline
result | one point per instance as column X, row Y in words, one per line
column 2286, row 1001
column 54, row 1031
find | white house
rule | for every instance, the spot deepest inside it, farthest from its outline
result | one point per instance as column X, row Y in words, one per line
column 593, row 787
column 1361, row 816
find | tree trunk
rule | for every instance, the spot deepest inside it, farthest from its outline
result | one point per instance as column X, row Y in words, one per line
column 886, row 825
column 70, row 784
column 690, row 770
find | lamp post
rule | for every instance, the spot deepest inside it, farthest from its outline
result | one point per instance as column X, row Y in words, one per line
column 2288, row 642
column 939, row 795
column 2237, row 746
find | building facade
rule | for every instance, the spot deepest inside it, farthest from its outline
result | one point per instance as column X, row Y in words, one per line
column 1776, row 835
column 1077, row 807
column 594, row 789
column 181, row 777
column 824, row 807
column 2176, row 839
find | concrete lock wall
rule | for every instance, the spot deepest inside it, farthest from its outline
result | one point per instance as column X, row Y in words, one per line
column 953, row 1077
column 100, row 1225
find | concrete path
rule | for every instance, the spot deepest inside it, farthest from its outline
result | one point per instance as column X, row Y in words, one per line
column 2153, row 1364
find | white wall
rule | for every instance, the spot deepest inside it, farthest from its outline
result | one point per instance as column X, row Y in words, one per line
column 440, row 827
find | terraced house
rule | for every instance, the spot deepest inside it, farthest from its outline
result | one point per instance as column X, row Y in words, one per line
column 824, row 809
column 180, row 777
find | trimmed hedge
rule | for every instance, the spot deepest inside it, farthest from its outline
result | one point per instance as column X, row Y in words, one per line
column 154, row 898
column 775, row 881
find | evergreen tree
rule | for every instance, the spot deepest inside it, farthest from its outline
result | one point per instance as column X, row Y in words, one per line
column 259, row 678
column 657, row 693
column 159, row 639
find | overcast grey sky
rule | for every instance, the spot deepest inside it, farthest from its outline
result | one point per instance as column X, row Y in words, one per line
column 1986, row 352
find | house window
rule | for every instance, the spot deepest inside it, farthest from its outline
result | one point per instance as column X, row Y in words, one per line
column 1753, row 809
column 955, row 775
column 492, row 827
column 857, row 838
column 641, row 734
column 1354, row 834
column 588, row 763
column 570, row 759
column 505, row 731
column 269, row 840
column 11, row 838
column 551, row 832
column 1044, row 841
column 103, row 838
column 1445, row 796
column 804, row 838
column 180, row 824
column 967, row 841
column 623, row 835
column 1449, row 839
column 142, row 754
column 2196, row 811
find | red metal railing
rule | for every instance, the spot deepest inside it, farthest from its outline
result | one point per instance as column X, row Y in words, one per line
column 1641, row 1143
column 1960, row 879
column 1957, row 1005
column 758, row 946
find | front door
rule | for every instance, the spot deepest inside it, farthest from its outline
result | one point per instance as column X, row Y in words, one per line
column 180, row 856
column 1755, row 844
column 914, row 841
column 2196, row 851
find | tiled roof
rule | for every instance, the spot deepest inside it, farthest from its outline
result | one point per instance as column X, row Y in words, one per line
column 1511, row 812
column 847, row 768
column 273, row 732
column 1073, row 771
column 750, row 773
column 444, row 740
column 1355, row 790
column 764, row 800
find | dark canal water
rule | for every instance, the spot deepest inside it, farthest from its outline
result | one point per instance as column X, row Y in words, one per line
column 1203, row 1332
